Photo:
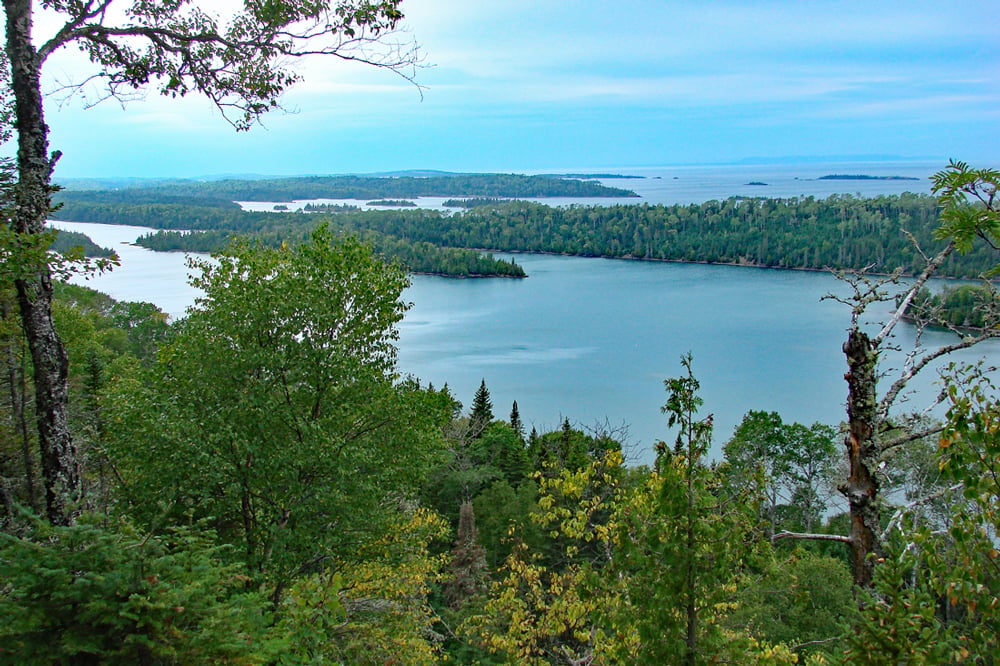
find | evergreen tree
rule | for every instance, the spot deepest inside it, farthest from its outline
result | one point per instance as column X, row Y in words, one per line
column 515, row 421
column 482, row 406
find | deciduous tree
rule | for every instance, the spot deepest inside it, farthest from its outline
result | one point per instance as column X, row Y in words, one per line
column 176, row 48
column 275, row 410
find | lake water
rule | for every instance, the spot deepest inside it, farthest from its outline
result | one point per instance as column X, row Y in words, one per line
column 697, row 184
column 593, row 339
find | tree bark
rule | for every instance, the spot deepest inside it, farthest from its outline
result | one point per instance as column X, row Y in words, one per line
column 19, row 420
column 32, row 197
column 862, row 487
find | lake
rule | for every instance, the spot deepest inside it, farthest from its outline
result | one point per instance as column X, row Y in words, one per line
column 592, row 340
column 697, row 184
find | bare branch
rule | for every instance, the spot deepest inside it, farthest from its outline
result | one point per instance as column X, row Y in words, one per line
column 812, row 536
column 911, row 437
column 925, row 275
column 969, row 341
column 903, row 510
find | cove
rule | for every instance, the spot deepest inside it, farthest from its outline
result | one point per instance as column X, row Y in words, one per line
column 592, row 340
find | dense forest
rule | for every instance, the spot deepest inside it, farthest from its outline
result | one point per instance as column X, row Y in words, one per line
column 258, row 485
column 841, row 232
column 353, row 187
column 415, row 256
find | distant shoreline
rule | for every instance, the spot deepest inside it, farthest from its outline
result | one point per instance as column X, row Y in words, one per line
column 838, row 176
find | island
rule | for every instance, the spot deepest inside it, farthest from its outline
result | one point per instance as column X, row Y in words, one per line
column 393, row 203
column 840, row 176
column 473, row 202
column 608, row 176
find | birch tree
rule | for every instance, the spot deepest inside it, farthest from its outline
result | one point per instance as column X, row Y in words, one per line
column 174, row 47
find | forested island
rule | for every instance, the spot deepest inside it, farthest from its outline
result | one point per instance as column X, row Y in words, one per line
column 837, row 233
column 396, row 203
column 472, row 202
column 65, row 241
column 352, row 187
column 864, row 177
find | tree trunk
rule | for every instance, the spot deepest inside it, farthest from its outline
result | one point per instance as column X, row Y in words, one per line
column 862, row 487
column 19, row 420
column 63, row 486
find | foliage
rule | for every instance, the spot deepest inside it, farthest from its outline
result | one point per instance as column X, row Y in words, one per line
column 840, row 232
column 372, row 609
column 968, row 199
column 802, row 600
column 964, row 562
column 92, row 594
column 544, row 613
column 898, row 622
column 274, row 410
column 964, row 306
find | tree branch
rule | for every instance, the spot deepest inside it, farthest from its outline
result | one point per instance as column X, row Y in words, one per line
column 928, row 271
column 903, row 510
column 810, row 535
column 969, row 341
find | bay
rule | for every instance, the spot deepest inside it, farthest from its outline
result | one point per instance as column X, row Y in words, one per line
column 697, row 184
column 592, row 340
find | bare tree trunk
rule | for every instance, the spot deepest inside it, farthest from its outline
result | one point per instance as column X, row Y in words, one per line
column 15, row 379
column 60, row 467
column 862, row 487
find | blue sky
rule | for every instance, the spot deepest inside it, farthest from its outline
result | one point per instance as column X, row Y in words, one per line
column 537, row 85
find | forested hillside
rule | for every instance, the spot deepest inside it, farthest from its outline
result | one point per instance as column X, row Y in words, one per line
column 840, row 232
column 260, row 486
column 356, row 187
column 257, row 483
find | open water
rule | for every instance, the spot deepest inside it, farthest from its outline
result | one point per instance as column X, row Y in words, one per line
column 592, row 340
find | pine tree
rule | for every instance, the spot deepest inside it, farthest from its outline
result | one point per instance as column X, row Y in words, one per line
column 482, row 407
column 515, row 421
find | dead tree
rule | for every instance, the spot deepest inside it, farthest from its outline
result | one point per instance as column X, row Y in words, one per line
column 969, row 212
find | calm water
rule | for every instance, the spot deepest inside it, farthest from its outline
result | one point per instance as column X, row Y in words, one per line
column 593, row 339
column 696, row 184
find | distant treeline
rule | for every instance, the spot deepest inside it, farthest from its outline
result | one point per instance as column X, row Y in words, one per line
column 417, row 257
column 965, row 306
column 840, row 232
column 473, row 202
column 67, row 240
column 352, row 187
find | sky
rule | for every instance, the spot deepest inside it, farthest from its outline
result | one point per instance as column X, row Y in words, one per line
column 556, row 85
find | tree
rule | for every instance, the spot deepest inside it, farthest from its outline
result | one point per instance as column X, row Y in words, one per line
column 758, row 451
column 242, row 67
column 468, row 560
column 482, row 407
column 515, row 421
column 789, row 461
column 87, row 594
column 969, row 212
column 274, row 412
